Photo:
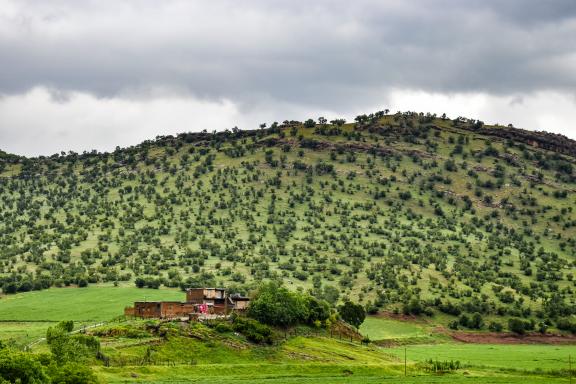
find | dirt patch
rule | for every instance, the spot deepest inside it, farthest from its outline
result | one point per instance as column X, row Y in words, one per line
column 510, row 338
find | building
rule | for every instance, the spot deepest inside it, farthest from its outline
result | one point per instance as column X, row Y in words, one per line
column 160, row 309
column 199, row 301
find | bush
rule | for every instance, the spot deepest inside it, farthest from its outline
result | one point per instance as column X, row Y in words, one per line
column 495, row 326
column 21, row 367
column 66, row 325
column 413, row 307
column 520, row 326
column 441, row 366
column 223, row 327
column 252, row 330
column 566, row 325
column 318, row 310
column 120, row 331
column 72, row 373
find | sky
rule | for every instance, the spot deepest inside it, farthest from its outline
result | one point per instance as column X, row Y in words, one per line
column 96, row 74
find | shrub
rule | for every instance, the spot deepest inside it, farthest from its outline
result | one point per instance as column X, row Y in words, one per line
column 441, row 366
column 566, row 325
column 72, row 373
column 520, row 326
column 223, row 327
column 495, row 326
column 252, row 330
column 21, row 367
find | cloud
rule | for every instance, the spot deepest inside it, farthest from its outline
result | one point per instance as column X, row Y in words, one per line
column 285, row 56
column 542, row 111
column 84, row 122
column 43, row 121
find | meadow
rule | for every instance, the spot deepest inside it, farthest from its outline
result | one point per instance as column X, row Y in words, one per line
column 25, row 317
column 378, row 328
column 312, row 359
column 309, row 374
column 516, row 356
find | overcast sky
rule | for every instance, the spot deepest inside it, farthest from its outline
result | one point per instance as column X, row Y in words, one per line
column 82, row 75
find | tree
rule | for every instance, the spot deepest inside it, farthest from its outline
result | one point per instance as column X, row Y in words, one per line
column 309, row 123
column 413, row 307
column 20, row 367
column 140, row 282
column 67, row 348
column 353, row 314
column 330, row 294
column 276, row 305
column 318, row 310
column 520, row 326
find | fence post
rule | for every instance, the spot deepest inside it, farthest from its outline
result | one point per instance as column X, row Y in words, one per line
column 570, row 367
column 404, row 361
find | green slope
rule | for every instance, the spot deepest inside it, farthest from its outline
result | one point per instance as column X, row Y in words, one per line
column 448, row 215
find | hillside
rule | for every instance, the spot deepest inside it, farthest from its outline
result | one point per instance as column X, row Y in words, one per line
column 407, row 211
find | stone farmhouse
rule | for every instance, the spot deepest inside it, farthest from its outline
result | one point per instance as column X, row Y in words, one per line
column 199, row 302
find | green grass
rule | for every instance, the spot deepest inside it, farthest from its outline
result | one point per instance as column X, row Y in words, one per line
column 378, row 328
column 94, row 303
column 518, row 356
column 25, row 317
column 304, row 373
column 202, row 355
column 23, row 332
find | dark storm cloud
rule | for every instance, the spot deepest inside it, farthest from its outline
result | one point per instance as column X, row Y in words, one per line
column 307, row 52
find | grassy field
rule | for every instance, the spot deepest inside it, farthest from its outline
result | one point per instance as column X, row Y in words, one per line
column 522, row 357
column 306, row 373
column 230, row 359
column 94, row 303
column 26, row 316
column 377, row 328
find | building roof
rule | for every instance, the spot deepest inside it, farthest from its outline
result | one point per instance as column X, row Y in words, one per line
column 216, row 289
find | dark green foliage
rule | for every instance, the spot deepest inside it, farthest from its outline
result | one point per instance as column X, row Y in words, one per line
column 66, row 325
column 252, row 330
column 438, row 366
column 495, row 326
column 520, row 326
column 27, row 368
column 276, row 305
column 353, row 314
column 566, row 325
column 66, row 348
column 72, row 373
column 415, row 307
column 223, row 327
column 21, row 367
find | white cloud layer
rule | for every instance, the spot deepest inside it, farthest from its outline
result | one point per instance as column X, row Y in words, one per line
column 44, row 121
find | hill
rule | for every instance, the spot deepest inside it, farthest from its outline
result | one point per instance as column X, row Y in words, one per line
column 405, row 212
